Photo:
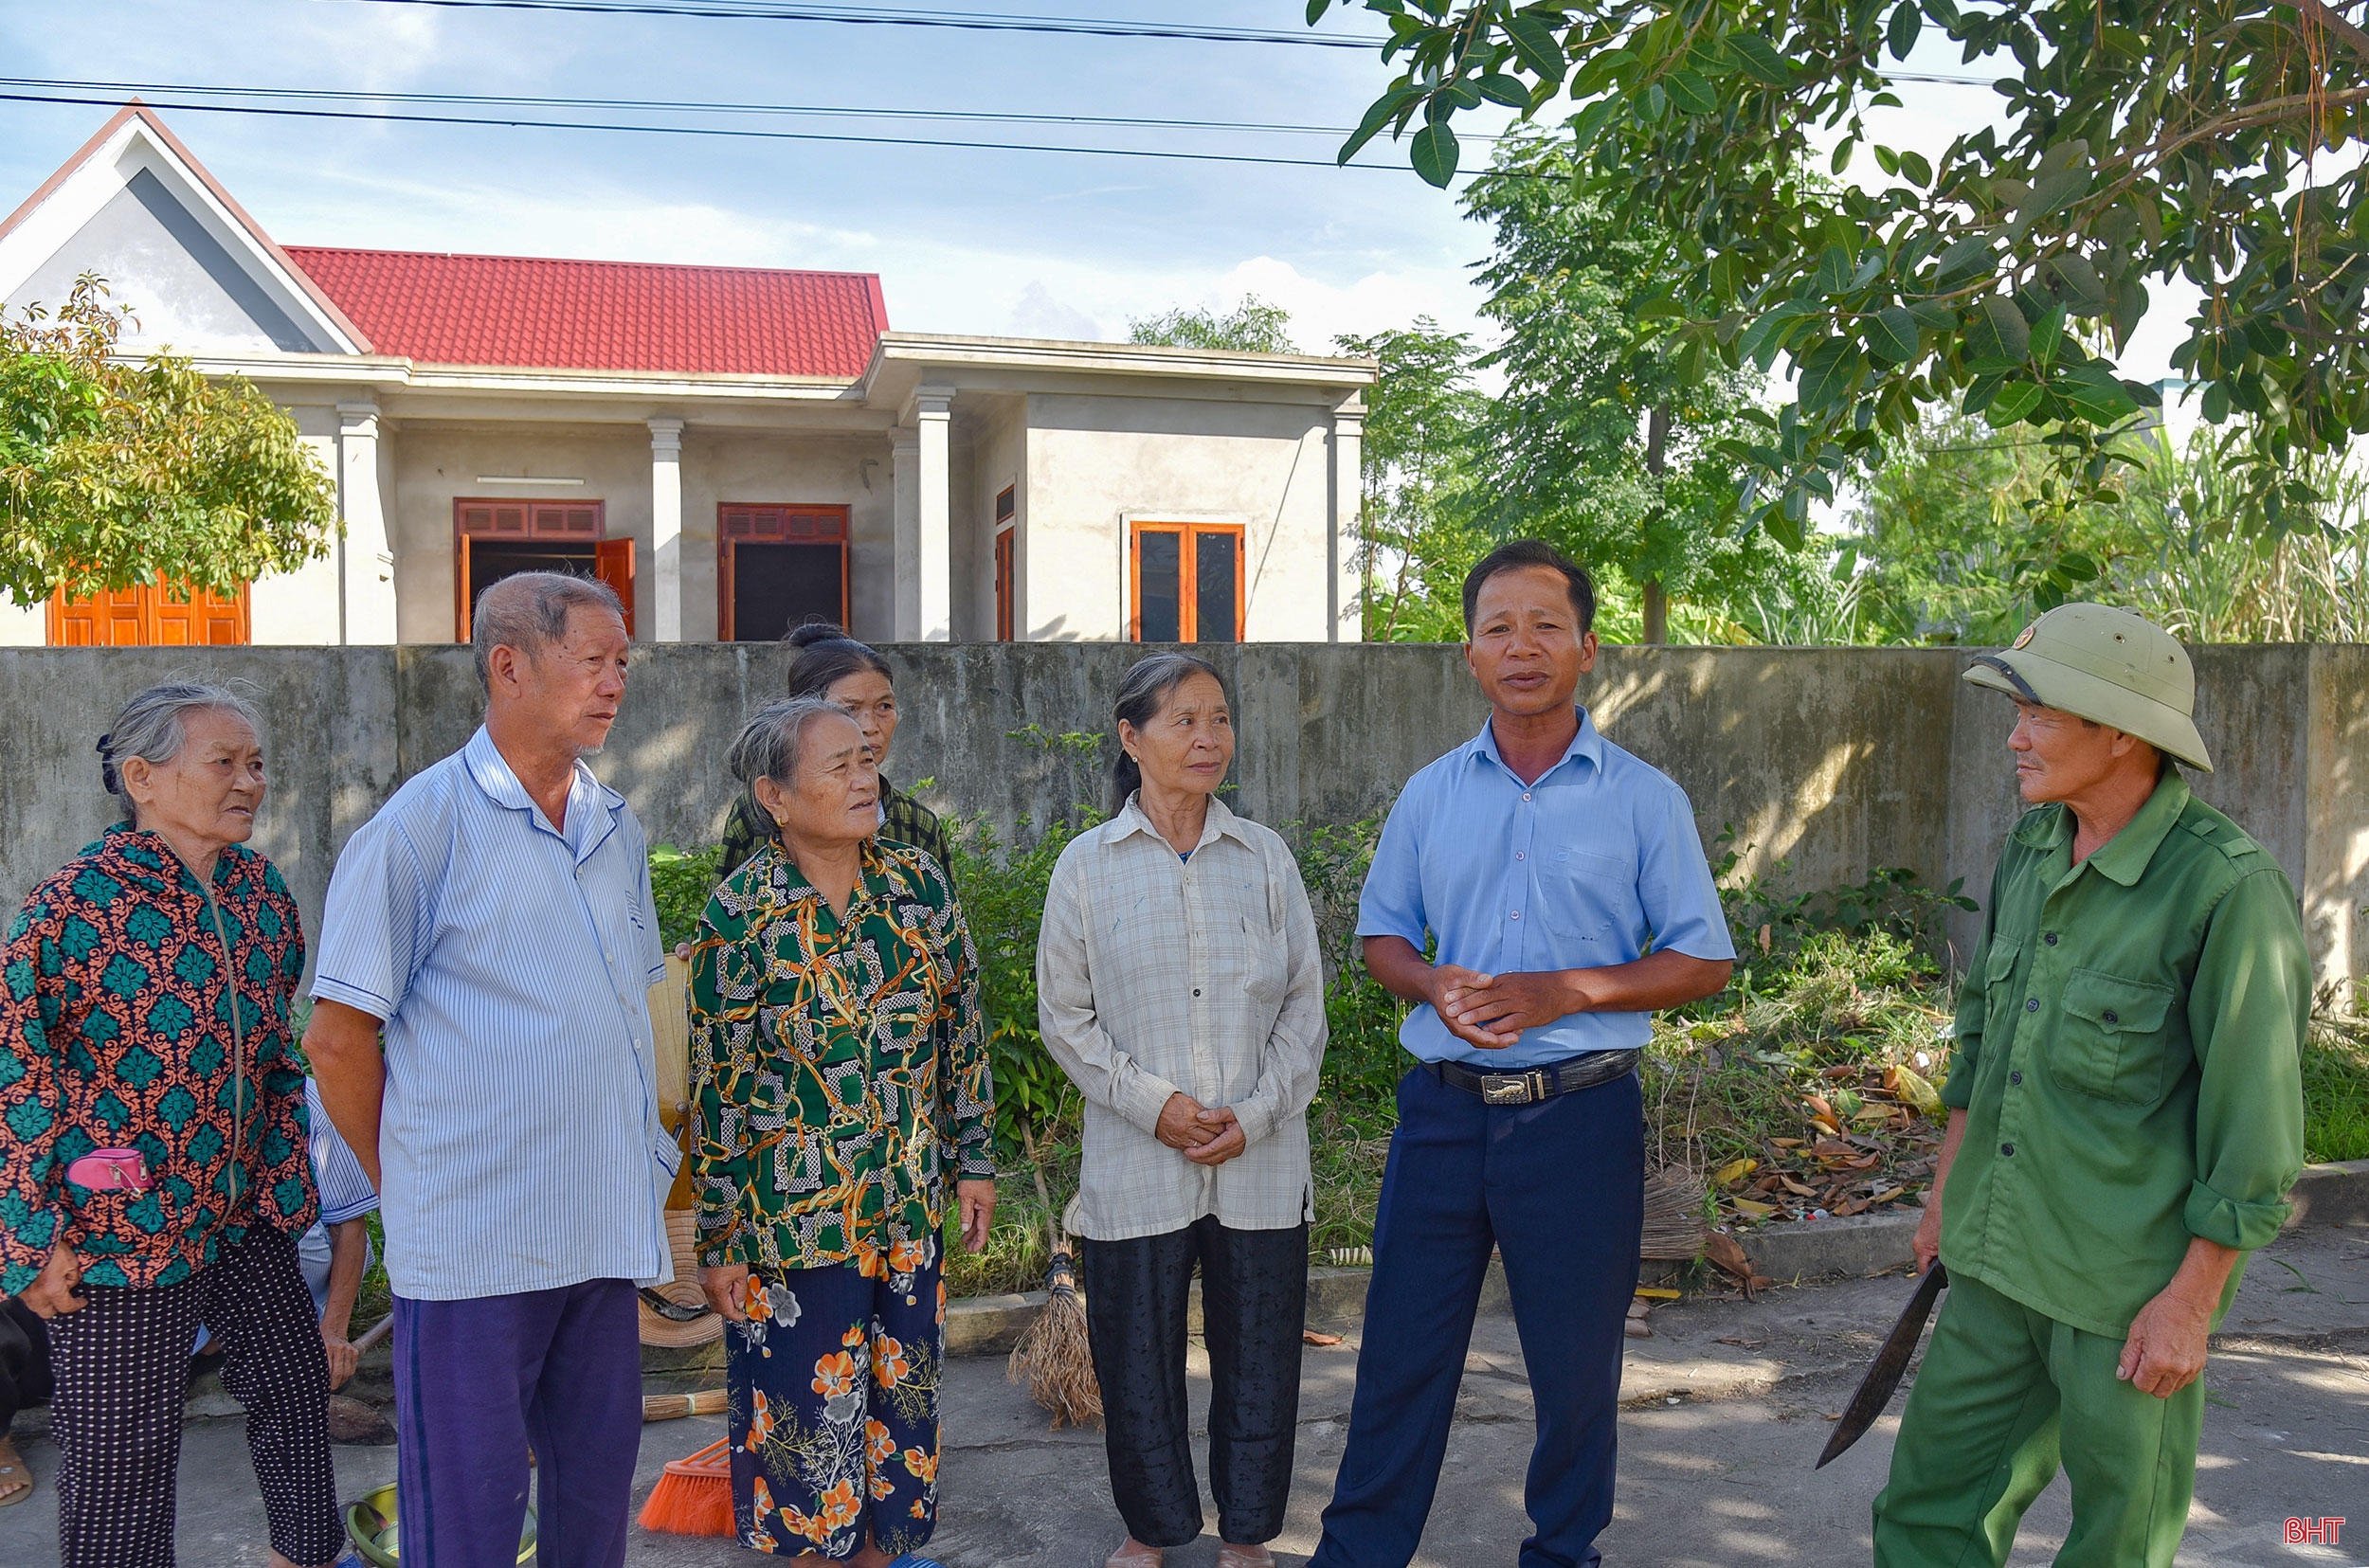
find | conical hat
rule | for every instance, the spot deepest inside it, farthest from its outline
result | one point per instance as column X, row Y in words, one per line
column 682, row 1234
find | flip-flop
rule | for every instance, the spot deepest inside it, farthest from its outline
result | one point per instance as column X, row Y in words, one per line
column 12, row 1473
column 914, row 1559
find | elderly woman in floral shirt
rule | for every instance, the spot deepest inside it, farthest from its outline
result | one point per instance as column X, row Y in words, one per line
column 839, row 1080
column 146, row 1012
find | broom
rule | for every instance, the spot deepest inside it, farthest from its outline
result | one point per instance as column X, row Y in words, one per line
column 695, row 1496
column 1054, row 1352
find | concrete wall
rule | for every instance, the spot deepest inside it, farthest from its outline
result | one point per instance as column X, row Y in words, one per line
column 1834, row 760
column 1097, row 465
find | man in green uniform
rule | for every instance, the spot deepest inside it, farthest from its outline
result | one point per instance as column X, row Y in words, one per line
column 2126, row 1118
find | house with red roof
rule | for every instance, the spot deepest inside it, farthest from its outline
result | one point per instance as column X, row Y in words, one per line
column 736, row 449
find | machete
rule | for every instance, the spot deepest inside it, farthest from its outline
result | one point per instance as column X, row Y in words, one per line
column 1876, row 1389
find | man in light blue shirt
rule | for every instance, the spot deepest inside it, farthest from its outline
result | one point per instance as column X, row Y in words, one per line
column 1563, row 884
column 495, row 921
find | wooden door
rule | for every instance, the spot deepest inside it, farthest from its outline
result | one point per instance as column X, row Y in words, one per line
column 612, row 563
column 151, row 614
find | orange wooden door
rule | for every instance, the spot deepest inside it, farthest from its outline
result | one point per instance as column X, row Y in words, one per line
column 151, row 614
column 612, row 563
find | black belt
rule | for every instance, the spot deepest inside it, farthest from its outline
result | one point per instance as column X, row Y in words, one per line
column 1540, row 1083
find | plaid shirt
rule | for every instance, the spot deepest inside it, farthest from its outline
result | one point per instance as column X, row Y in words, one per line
column 1155, row 974
column 115, row 1033
column 903, row 821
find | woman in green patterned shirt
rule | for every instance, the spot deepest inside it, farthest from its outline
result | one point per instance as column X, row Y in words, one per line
column 840, row 1084
column 849, row 674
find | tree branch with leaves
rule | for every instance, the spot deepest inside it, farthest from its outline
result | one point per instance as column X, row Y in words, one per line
column 116, row 473
column 2145, row 140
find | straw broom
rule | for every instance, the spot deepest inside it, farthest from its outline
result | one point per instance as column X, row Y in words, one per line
column 1053, row 1353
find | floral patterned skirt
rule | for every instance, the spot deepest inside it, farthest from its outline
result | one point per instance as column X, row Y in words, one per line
column 834, row 1413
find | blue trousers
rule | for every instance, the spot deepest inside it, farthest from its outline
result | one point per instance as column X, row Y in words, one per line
column 476, row 1383
column 1558, row 1188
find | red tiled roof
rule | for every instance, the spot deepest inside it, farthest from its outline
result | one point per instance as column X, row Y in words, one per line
column 603, row 316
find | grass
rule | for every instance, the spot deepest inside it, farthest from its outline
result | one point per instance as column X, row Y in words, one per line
column 2336, row 1090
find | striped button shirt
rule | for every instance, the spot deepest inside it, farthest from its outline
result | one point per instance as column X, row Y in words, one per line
column 1156, row 974
column 346, row 1193
column 519, row 1145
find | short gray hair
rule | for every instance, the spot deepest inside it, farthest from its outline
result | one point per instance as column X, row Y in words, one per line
column 528, row 610
column 771, row 743
column 154, row 727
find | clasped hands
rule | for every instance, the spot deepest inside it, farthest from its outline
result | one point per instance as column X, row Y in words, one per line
column 1204, row 1135
column 1491, row 1010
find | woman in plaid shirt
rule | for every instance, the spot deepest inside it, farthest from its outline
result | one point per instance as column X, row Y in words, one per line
column 1179, row 986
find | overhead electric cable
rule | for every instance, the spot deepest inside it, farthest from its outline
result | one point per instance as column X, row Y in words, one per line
column 771, row 10
column 671, row 106
column 744, row 133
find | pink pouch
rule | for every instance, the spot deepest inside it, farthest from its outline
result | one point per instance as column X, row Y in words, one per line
column 110, row 1171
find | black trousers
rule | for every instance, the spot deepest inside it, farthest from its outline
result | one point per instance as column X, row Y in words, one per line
column 1254, row 1304
column 24, row 1361
column 121, row 1361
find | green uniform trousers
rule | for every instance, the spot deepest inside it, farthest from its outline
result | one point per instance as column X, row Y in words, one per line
column 2006, row 1391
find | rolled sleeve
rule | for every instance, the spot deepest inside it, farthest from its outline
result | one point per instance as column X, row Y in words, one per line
column 1073, row 1032
column 1674, row 882
column 1391, row 903
column 374, row 927
column 2247, row 1009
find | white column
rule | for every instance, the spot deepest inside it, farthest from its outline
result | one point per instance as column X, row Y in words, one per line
column 935, row 541
column 665, row 579
column 905, row 461
column 366, row 560
column 1345, row 539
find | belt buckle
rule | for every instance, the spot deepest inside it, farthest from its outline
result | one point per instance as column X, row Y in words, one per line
column 1509, row 1088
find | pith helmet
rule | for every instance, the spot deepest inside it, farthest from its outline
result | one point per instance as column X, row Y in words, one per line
column 2113, row 667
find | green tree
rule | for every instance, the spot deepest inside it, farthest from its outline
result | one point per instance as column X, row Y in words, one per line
column 113, row 473
column 2143, row 140
column 1253, row 326
column 1607, row 438
column 1419, row 535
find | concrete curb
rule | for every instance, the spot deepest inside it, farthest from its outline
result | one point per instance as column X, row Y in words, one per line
column 1856, row 1247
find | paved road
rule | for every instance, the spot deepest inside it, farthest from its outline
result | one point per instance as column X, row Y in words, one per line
column 1727, row 1409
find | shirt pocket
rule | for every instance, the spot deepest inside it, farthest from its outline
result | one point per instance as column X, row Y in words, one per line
column 1579, row 891
column 2111, row 1044
column 1999, row 984
column 1265, row 957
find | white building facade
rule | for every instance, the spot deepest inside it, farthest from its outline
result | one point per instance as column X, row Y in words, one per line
column 736, row 449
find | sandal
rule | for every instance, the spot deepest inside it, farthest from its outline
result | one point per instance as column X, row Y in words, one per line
column 16, row 1477
column 1134, row 1553
column 1231, row 1556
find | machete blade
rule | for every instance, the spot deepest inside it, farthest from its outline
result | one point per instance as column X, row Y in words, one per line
column 1876, row 1389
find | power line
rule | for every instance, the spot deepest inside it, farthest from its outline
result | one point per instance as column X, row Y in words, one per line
column 770, row 11
column 672, row 106
column 743, row 132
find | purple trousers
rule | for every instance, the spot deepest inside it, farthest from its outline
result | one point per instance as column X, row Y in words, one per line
column 477, row 1383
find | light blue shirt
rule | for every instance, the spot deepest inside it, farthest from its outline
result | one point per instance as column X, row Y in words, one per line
column 1596, row 863
column 346, row 1193
column 520, row 1145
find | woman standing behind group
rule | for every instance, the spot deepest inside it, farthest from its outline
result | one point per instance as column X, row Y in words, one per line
column 153, row 1177
column 853, row 677
column 1180, row 988
column 840, row 1083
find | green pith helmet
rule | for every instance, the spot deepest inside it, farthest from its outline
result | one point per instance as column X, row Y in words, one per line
column 2113, row 667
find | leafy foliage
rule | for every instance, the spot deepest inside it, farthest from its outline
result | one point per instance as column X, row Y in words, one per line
column 1416, row 462
column 680, row 883
column 2144, row 140
column 1253, row 326
column 114, row 474
column 1608, row 439
column 1962, row 543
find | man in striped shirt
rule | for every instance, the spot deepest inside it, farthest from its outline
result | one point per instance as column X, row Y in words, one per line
column 495, row 922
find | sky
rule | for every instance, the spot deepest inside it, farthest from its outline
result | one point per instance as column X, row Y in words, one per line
column 1045, row 245
column 966, row 241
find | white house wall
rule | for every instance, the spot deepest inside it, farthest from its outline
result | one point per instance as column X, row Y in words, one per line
column 1096, row 464
column 791, row 468
column 433, row 465
column 300, row 607
column 998, row 459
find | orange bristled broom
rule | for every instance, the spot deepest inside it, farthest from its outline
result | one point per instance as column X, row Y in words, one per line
column 695, row 1496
